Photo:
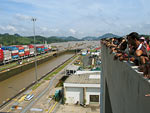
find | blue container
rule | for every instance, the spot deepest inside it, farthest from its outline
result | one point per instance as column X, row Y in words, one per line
column 42, row 49
column 3, row 48
column 39, row 50
column 45, row 48
column 21, row 50
column 11, row 48
column 15, row 56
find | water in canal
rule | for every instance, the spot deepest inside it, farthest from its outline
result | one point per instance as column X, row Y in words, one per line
column 11, row 86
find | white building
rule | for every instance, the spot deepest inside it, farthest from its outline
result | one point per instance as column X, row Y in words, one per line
column 83, row 88
column 86, row 72
column 71, row 69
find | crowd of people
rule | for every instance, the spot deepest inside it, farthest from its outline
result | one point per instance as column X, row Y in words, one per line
column 133, row 48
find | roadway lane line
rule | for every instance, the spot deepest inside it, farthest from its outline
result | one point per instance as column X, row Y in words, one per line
column 39, row 96
column 53, row 107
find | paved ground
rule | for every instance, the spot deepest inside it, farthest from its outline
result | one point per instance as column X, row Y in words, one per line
column 77, row 109
column 86, row 61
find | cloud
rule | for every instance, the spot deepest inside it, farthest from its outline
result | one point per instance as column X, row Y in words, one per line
column 11, row 28
column 2, row 28
column 45, row 29
column 54, row 30
column 8, row 28
column 72, row 31
column 23, row 17
column 75, row 17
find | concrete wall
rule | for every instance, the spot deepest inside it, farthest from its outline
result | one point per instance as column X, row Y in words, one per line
column 74, row 94
column 21, row 68
column 124, row 89
column 92, row 91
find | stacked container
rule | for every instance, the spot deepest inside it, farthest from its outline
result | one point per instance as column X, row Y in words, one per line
column 45, row 49
column 26, row 51
column 7, row 56
column 1, row 56
column 21, row 51
column 49, row 47
column 32, row 51
column 14, row 52
column 40, row 49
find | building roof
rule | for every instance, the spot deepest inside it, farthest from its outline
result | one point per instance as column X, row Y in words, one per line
column 84, row 78
column 72, row 67
column 85, row 72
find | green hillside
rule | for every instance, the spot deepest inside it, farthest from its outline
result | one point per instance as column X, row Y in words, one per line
column 7, row 39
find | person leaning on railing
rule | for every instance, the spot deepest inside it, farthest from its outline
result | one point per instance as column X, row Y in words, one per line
column 131, row 48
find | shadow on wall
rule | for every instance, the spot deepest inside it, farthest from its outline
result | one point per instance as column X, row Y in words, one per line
column 108, row 108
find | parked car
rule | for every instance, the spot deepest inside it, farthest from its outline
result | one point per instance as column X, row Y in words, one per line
column 29, row 97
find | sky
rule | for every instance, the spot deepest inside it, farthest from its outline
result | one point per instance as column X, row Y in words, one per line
column 78, row 18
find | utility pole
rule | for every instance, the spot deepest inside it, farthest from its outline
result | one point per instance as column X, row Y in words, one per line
column 34, row 19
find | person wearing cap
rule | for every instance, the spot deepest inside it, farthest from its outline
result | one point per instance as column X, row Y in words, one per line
column 141, row 52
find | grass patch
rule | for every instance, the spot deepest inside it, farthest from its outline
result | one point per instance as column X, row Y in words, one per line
column 37, row 85
column 7, row 66
column 60, row 84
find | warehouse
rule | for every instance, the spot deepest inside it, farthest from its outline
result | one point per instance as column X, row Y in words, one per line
column 83, row 89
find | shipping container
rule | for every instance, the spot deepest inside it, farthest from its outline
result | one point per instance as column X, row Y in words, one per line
column 26, row 51
column 32, row 51
column 14, row 51
column 1, row 56
column 30, row 46
column 49, row 47
column 46, row 49
column 38, row 50
column 21, row 51
column 7, row 56
column 15, row 57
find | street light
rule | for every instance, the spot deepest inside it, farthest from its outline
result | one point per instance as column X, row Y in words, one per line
column 34, row 19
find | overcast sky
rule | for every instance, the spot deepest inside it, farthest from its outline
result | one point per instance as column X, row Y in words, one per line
column 78, row 18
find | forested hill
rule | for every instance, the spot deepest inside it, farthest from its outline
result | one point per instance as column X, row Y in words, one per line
column 16, row 39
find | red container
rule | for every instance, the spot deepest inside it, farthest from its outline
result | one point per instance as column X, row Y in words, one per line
column 45, row 49
column 20, row 48
column 18, row 45
column 40, row 47
column 27, row 53
column 13, row 54
column 31, row 46
column 1, row 55
column 21, row 55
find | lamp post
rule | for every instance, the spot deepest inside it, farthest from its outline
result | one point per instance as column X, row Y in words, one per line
column 34, row 19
